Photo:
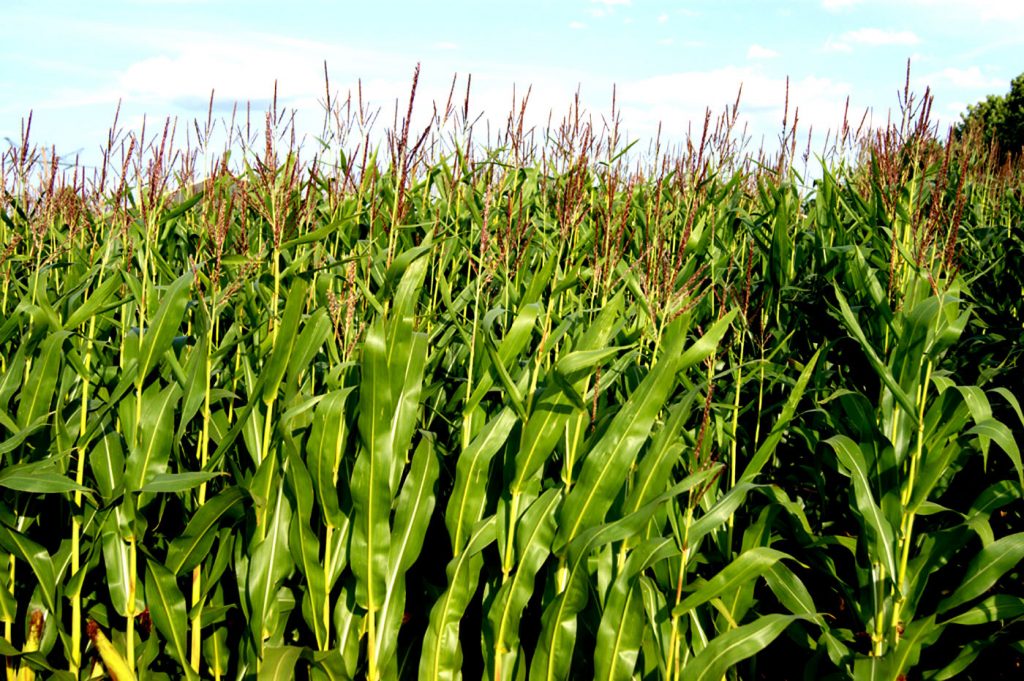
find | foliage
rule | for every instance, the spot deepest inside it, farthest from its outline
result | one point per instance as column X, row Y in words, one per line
column 1000, row 118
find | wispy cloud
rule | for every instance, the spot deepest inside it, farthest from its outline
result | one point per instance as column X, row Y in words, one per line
column 663, row 18
column 577, row 25
column 839, row 5
column 680, row 99
column 991, row 10
column 446, row 45
column 880, row 36
column 835, row 45
column 972, row 78
column 612, row 3
column 756, row 51
column 874, row 37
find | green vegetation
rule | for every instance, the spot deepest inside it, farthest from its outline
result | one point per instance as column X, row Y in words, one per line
column 531, row 410
column 999, row 119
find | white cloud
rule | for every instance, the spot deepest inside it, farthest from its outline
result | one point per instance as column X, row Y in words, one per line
column 879, row 36
column 971, row 78
column 577, row 25
column 236, row 70
column 665, row 41
column 872, row 37
column 446, row 45
column 839, row 5
column 612, row 3
column 679, row 101
column 756, row 51
column 991, row 10
column 662, row 18
column 1001, row 10
column 833, row 45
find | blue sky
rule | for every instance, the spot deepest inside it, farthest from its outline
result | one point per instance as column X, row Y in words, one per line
column 71, row 62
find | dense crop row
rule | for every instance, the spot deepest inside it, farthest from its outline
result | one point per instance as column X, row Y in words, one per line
column 529, row 411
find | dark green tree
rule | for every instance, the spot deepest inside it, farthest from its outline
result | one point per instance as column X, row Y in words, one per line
column 999, row 118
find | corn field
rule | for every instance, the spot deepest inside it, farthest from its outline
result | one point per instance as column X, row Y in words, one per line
column 439, row 408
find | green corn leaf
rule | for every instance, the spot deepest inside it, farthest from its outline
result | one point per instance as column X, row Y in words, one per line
column 936, row 463
column 702, row 348
column 287, row 329
column 985, row 569
column 970, row 652
column 719, row 513
column 406, row 366
column 167, row 608
column 305, row 549
column 578, row 363
column 512, row 393
column 314, row 333
column 37, row 393
column 748, row 566
column 160, row 334
column 183, row 207
column 511, row 346
column 15, row 441
column 553, row 656
column 768, row 447
column 1003, row 436
column 413, row 511
column 552, row 410
column 878, row 529
column 106, row 461
column 441, row 656
column 176, row 483
column 148, row 456
column 279, row 663
column 735, row 645
column 38, row 559
column 40, row 477
column 195, row 383
column 408, row 270
column 269, row 563
column 12, row 378
column 534, row 534
column 347, row 626
column 116, row 562
column 992, row 609
column 606, row 465
column 873, row 668
column 327, row 444
column 621, row 630
column 371, row 489
column 917, row 635
column 318, row 234
column 97, row 300
column 791, row 592
column 8, row 605
column 188, row 549
column 469, row 495
column 884, row 373
column 1010, row 398
column 330, row 665
column 655, row 470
